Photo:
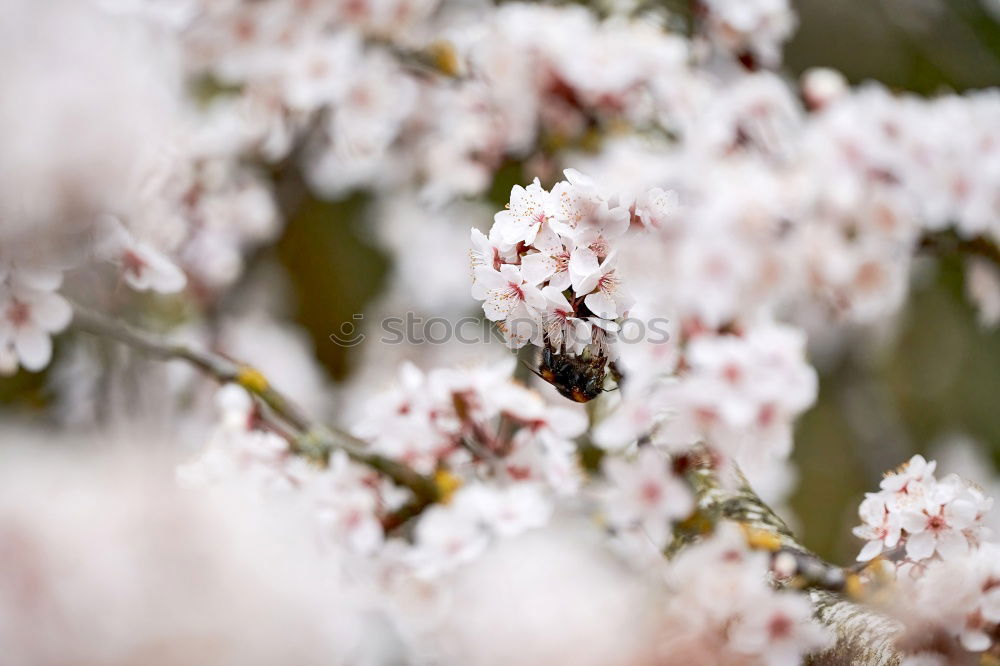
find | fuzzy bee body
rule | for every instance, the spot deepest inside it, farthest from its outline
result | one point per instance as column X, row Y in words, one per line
column 576, row 377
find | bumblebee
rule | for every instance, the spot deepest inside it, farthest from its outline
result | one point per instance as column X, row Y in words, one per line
column 579, row 378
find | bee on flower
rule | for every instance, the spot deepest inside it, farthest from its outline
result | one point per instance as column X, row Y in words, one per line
column 547, row 274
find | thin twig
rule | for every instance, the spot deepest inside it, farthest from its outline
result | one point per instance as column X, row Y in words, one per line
column 312, row 440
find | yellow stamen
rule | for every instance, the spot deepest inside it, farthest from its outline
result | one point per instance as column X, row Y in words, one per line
column 447, row 483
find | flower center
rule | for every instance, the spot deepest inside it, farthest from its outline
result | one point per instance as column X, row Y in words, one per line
column 600, row 247
column 732, row 373
column 936, row 523
column 779, row 627
column 133, row 263
column 19, row 313
column 651, row 492
column 608, row 282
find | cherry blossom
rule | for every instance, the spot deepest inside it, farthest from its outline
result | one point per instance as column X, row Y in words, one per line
column 402, row 425
column 453, row 535
column 529, row 208
column 939, row 525
column 485, row 251
column 780, row 631
column 592, row 219
column 237, row 448
column 639, row 414
column 926, row 515
column 550, row 263
column 316, row 70
column 143, row 267
column 720, row 590
column 804, row 207
column 957, row 597
column 880, row 527
column 509, row 299
column 605, row 294
column 909, row 477
column 737, row 384
column 598, row 234
column 758, row 26
column 644, row 493
column 347, row 502
column 657, row 208
column 563, row 330
column 31, row 313
column 475, row 420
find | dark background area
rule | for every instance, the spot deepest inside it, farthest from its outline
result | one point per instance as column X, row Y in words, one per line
column 939, row 374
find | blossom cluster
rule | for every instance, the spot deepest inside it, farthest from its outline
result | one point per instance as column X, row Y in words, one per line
column 547, row 274
column 814, row 211
column 813, row 208
column 924, row 515
column 468, row 425
column 347, row 499
column 947, row 572
column 757, row 215
column 465, row 417
column 547, row 271
column 739, row 392
column 107, row 184
column 32, row 309
column 643, row 498
column 959, row 598
column 516, row 469
column 725, row 612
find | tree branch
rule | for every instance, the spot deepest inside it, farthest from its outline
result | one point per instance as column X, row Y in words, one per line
column 864, row 636
column 312, row 440
column 948, row 242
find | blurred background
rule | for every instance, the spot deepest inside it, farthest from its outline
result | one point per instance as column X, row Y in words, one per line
column 931, row 385
column 928, row 382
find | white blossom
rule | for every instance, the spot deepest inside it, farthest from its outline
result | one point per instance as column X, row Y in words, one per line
column 645, row 493
column 142, row 266
column 510, row 300
column 926, row 515
column 30, row 313
column 528, row 210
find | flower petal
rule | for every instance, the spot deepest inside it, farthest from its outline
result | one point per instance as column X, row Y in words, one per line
column 913, row 521
column 500, row 303
column 870, row 551
column 34, row 348
column 601, row 305
column 536, row 268
column 960, row 513
column 584, row 270
column 975, row 641
column 51, row 312
column 921, row 546
column 952, row 545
